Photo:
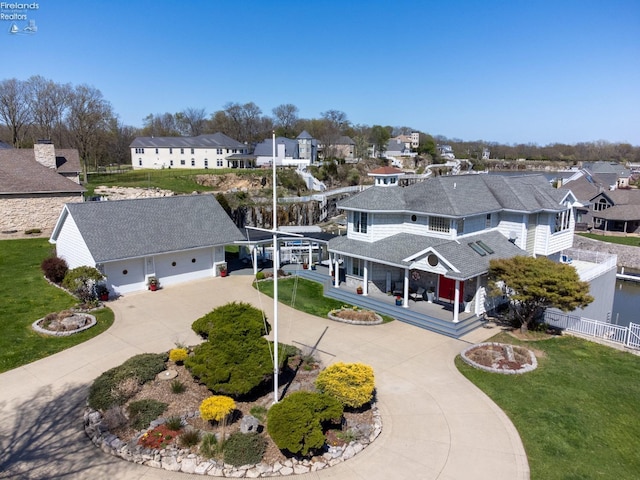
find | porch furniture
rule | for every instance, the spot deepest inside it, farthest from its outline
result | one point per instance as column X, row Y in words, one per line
column 398, row 288
column 417, row 295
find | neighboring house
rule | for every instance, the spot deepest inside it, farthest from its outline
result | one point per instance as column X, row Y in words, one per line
column 611, row 174
column 397, row 148
column 441, row 233
column 345, row 148
column 446, row 151
column 204, row 151
column 176, row 239
column 299, row 152
column 606, row 204
column 35, row 184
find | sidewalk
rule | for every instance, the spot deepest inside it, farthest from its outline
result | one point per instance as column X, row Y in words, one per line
column 436, row 425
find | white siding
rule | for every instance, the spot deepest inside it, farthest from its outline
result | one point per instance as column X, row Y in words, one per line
column 512, row 223
column 71, row 246
column 162, row 159
column 383, row 225
column 172, row 268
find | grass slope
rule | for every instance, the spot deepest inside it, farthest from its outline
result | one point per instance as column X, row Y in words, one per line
column 26, row 296
column 630, row 241
column 577, row 413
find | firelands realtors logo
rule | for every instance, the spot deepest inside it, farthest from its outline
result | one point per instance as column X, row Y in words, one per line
column 18, row 16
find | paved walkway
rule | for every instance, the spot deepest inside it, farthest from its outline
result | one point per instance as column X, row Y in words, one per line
column 436, row 425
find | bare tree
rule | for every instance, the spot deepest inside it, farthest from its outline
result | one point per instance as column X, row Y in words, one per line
column 285, row 117
column 191, row 121
column 49, row 101
column 87, row 119
column 15, row 109
column 160, row 125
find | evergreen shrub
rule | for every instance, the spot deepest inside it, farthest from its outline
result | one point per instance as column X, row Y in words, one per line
column 54, row 269
column 296, row 423
column 244, row 449
column 351, row 383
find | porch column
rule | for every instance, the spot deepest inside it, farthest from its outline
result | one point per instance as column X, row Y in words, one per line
column 337, row 273
column 365, row 278
column 254, row 255
column 330, row 263
column 276, row 257
column 476, row 308
column 310, row 254
column 405, row 293
column 456, row 302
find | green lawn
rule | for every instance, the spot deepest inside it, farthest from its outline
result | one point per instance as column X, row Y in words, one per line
column 577, row 414
column 26, row 297
column 309, row 296
column 631, row 241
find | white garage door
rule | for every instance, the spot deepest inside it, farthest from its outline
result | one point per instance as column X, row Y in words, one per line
column 173, row 268
column 126, row 276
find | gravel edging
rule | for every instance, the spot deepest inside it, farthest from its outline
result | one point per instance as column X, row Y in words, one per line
column 182, row 460
column 525, row 368
column 377, row 321
column 64, row 333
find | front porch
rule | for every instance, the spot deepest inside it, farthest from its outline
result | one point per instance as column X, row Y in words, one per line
column 436, row 316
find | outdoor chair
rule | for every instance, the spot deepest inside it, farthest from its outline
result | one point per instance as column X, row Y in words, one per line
column 417, row 295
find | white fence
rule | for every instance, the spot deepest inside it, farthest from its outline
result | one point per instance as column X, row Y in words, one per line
column 628, row 336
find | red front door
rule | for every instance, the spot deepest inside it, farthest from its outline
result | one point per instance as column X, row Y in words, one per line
column 447, row 289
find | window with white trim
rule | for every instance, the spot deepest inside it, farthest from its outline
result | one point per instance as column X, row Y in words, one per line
column 139, row 150
column 219, row 163
column 357, row 267
column 360, row 222
column 193, row 162
column 439, row 224
column 182, row 162
column 562, row 221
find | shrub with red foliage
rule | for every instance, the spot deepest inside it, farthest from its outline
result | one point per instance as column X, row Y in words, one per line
column 159, row 437
column 54, row 268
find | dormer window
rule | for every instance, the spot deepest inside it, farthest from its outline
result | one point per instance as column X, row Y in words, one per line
column 360, row 222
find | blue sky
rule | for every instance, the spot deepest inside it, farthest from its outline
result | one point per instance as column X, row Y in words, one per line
column 509, row 71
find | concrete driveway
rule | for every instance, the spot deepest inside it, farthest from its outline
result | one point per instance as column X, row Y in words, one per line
column 436, row 425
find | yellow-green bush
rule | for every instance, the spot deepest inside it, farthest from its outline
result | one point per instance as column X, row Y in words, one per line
column 351, row 383
column 216, row 407
column 178, row 354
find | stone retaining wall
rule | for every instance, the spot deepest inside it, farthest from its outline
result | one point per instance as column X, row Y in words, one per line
column 628, row 257
column 183, row 460
column 32, row 212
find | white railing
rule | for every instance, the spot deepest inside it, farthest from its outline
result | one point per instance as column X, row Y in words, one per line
column 628, row 336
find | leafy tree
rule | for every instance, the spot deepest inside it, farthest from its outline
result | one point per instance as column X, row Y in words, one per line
column 81, row 282
column 380, row 137
column 295, row 424
column 350, row 383
column 535, row 284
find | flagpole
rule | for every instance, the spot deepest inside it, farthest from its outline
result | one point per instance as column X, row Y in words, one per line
column 276, row 263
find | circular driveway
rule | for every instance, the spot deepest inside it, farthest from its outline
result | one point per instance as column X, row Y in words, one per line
column 436, row 425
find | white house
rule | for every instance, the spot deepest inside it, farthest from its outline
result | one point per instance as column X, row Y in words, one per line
column 440, row 234
column 299, row 152
column 204, row 151
column 175, row 239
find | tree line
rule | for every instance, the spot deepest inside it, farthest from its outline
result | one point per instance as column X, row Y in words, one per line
column 78, row 116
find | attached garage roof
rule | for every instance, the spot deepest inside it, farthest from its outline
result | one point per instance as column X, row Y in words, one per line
column 120, row 229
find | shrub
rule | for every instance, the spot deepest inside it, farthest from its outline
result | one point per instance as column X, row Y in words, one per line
column 143, row 412
column 81, row 282
column 259, row 412
column 209, row 446
column 296, row 423
column 351, row 383
column 232, row 367
column 216, row 407
column 174, row 423
column 244, row 449
column 189, row 439
column 177, row 386
column 106, row 390
column 55, row 269
column 178, row 355
column 260, row 276
column 233, row 319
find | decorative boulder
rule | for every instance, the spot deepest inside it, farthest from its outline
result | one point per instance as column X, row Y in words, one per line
column 249, row 424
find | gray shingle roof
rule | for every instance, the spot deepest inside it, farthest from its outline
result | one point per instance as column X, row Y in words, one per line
column 20, row 173
column 121, row 229
column 462, row 195
column 395, row 249
column 265, row 148
column 214, row 140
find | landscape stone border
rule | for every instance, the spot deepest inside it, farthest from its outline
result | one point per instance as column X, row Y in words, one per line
column 175, row 459
column 525, row 368
column 377, row 321
column 64, row 333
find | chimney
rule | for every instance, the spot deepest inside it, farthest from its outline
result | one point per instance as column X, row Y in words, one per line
column 45, row 153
